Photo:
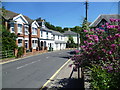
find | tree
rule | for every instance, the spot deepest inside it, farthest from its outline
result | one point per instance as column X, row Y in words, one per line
column 59, row 29
column 70, row 42
column 8, row 39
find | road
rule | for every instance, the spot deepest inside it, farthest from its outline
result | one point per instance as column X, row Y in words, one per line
column 32, row 72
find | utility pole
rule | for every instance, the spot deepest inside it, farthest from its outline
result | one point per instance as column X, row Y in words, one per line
column 86, row 6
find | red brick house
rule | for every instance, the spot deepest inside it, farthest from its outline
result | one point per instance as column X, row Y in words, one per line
column 26, row 29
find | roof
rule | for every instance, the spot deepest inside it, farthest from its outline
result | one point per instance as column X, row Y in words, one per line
column 10, row 15
column 56, row 33
column 105, row 17
column 69, row 33
column 60, row 42
column 45, row 29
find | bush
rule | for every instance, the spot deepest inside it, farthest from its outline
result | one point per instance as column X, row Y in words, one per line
column 20, row 51
column 101, row 50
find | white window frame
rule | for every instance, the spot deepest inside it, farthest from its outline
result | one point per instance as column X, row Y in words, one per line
column 34, row 31
column 19, row 44
column 12, row 28
column 26, row 28
column 47, row 35
column 20, row 29
column 34, row 43
column 41, row 32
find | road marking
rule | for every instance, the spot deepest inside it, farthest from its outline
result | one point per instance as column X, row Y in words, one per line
column 47, row 57
column 27, row 64
column 54, row 75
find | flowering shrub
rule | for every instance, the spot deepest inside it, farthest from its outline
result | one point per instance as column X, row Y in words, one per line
column 101, row 51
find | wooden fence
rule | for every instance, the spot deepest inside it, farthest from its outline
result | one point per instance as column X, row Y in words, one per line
column 7, row 54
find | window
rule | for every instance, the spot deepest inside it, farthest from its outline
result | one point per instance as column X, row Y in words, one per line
column 19, row 28
column 26, row 43
column 58, row 37
column 61, row 37
column 12, row 27
column 34, row 43
column 53, row 36
column 41, row 33
column 34, row 31
column 47, row 34
column 19, row 42
column 26, row 30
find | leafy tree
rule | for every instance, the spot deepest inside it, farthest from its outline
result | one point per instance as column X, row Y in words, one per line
column 50, row 26
column 8, row 39
column 59, row 29
column 70, row 42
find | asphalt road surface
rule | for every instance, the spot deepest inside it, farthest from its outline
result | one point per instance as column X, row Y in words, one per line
column 32, row 72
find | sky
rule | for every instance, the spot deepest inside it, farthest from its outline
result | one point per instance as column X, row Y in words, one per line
column 63, row 14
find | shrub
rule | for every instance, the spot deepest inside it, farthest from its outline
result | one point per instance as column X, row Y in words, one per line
column 20, row 51
column 101, row 52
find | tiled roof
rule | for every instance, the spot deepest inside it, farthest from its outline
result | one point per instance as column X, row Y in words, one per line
column 105, row 17
column 10, row 15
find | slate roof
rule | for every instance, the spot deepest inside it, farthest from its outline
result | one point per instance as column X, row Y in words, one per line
column 45, row 29
column 66, row 33
column 9, row 15
column 56, row 33
column 105, row 17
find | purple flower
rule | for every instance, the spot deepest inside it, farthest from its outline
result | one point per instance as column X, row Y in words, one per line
column 104, row 50
column 103, row 26
column 117, row 35
column 107, row 24
column 110, row 52
column 85, row 42
column 91, row 30
column 85, row 30
column 113, row 46
column 90, row 44
column 110, row 68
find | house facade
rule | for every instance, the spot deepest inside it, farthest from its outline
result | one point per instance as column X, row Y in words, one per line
column 76, row 37
column 59, row 43
column 46, row 37
column 103, row 19
column 33, row 35
column 26, row 29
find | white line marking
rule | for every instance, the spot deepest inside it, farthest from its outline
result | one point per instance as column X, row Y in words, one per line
column 47, row 57
column 27, row 64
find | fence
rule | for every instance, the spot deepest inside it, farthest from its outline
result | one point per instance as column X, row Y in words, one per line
column 7, row 54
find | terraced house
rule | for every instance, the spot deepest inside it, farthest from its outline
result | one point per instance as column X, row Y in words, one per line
column 25, row 28
column 33, row 35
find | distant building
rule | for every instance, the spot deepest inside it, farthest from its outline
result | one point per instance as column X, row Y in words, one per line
column 73, row 34
column 50, row 39
column 59, row 41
